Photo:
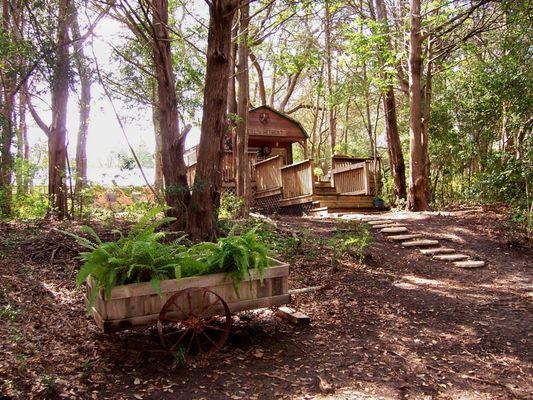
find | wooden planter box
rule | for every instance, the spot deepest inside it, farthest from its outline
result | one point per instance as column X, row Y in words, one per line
column 139, row 304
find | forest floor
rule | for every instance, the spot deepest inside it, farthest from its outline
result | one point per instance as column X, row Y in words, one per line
column 398, row 326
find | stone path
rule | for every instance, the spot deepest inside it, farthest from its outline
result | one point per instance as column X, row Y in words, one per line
column 432, row 248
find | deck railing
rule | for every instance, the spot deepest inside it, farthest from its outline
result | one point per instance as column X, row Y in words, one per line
column 268, row 173
column 228, row 168
column 356, row 175
column 352, row 179
column 297, row 179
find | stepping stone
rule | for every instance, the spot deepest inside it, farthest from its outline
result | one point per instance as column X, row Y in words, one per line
column 451, row 257
column 395, row 229
column 402, row 238
column 437, row 250
column 421, row 242
column 469, row 264
column 379, row 222
column 389, row 225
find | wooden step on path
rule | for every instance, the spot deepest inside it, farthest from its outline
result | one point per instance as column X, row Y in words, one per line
column 403, row 238
column 389, row 225
column 426, row 246
column 394, row 229
column 437, row 250
column 378, row 222
column 451, row 257
column 469, row 264
column 421, row 242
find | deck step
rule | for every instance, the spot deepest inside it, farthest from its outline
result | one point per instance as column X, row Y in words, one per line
column 451, row 257
column 394, row 229
column 437, row 250
column 420, row 242
column 469, row 264
column 402, row 238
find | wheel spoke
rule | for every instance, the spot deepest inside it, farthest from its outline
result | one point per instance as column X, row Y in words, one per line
column 214, row 328
column 209, row 338
column 200, row 350
column 190, row 342
column 178, row 306
column 179, row 340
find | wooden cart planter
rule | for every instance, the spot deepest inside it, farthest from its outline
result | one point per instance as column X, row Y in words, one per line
column 190, row 308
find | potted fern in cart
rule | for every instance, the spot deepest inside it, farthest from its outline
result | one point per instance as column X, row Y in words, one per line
column 190, row 291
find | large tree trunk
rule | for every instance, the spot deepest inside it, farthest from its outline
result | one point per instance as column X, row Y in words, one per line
column 177, row 194
column 241, row 160
column 417, row 183
column 396, row 160
column 57, row 139
column 84, row 107
column 206, row 195
column 159, row 180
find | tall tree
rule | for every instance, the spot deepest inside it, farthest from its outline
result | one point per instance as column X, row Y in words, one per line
column 57, row 136
column 394, row 148
column 84, row 104
column 417, row 200
column 208, row 181
column 242, row 168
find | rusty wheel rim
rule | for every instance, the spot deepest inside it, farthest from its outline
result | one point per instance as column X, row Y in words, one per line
column 196, row 327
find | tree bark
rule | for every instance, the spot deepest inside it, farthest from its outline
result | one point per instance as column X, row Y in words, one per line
column 206, row 195
column 332, row 123
column 7, row 107
column 57, row 139
column 159, row 179
column 396, row 160
column 177, row 195
column 417, row 183
column 260, row 78
column 242, row 168
column 84, row 107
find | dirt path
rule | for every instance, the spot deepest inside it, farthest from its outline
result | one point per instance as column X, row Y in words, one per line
column 400, row 326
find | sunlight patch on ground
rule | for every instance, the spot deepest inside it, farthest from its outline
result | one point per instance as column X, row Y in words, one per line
column 61, row 294
column 411, row 282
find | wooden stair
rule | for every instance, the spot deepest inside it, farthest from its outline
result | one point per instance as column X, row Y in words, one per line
column 326, row 201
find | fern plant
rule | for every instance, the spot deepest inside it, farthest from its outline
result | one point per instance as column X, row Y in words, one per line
column 234, row 255
column 142, row 257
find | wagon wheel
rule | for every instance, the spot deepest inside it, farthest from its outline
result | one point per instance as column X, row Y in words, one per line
column 196, row 321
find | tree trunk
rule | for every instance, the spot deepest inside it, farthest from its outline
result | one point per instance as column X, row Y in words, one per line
column 329, row 81
column 57, row 139
column 242, row 168
column 396, row 160
column 159, row 180
column 177, row 194
column 7, row 107
column 417, row 184
column 260, row 78
column 84, row 108
column 206, row 195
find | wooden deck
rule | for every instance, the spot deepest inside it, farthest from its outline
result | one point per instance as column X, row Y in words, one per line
column 291, row 189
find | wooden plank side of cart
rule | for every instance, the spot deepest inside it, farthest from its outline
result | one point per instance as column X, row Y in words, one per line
column 139, row 304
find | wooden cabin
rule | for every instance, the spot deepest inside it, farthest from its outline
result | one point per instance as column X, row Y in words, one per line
column 279, row 185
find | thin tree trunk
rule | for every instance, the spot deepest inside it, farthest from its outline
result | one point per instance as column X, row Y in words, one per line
column 329, row 81
column 417, row 184
column 426, row 112
column 84, row 108
column 57, row 139
column 242, row 168
column 273, row 87
column 7, row 107
column 206, row 195
column 260, row 78
column 159, row 180
column 396, row 160
column 177, row 195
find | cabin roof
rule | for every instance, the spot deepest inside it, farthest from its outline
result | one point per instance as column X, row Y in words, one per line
column 294, row 121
